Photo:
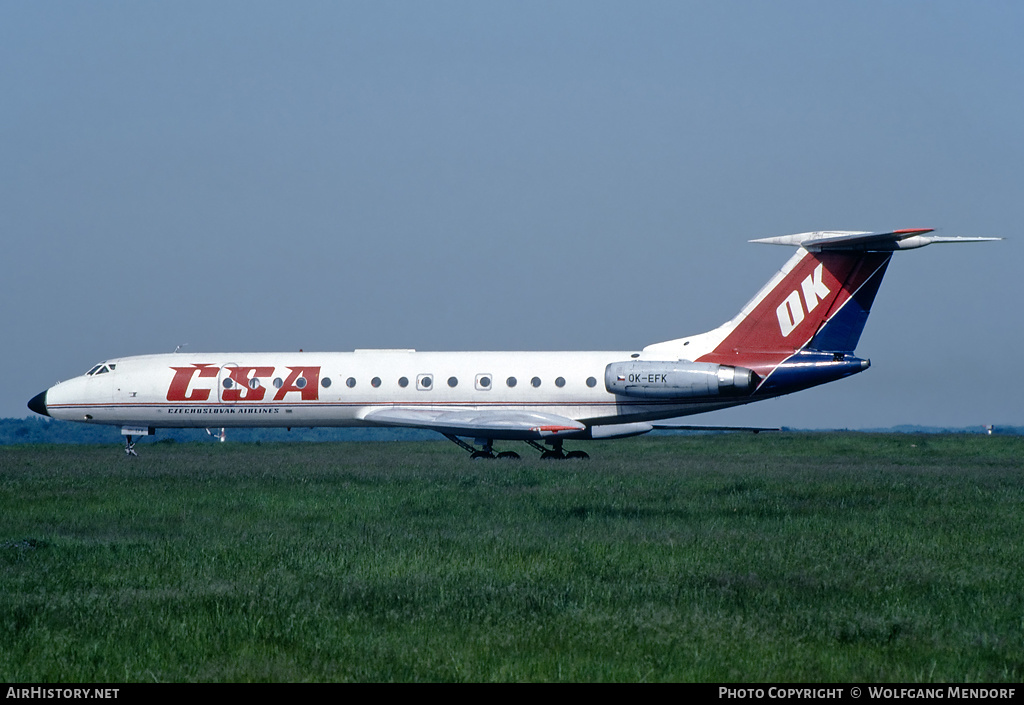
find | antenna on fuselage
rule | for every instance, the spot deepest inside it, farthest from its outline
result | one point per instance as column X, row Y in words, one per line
column 180, row 347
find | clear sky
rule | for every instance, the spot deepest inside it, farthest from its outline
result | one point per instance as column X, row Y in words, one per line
column 519, row 175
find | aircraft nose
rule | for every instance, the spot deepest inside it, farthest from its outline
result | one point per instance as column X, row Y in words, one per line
column 38, row 404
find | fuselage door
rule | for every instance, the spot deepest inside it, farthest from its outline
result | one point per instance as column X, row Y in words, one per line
column 226, row 383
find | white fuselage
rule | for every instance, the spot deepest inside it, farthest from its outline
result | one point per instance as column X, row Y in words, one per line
column 341, row 389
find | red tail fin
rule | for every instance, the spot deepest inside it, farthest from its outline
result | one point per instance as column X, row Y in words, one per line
column 819, row 301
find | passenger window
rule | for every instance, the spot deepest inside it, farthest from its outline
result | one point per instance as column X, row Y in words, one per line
column 350, row 382
column 483, row 382
column 325, row 382
column 424, row 382
column 560, row 382
column 453, row 382
column 535, row 381
column 375, row 382
column 591, row 382
column 403, row 382
column 511, row 382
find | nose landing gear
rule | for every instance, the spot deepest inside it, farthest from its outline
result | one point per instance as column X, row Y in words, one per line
column 131, row 431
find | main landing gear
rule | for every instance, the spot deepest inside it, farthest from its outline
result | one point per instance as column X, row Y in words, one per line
column 556, row 452
column 129, row 447
column 486, row 451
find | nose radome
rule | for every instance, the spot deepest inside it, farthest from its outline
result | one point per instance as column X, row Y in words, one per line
column 38, row 404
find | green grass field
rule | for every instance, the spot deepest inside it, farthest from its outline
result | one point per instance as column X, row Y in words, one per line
column 777, row 557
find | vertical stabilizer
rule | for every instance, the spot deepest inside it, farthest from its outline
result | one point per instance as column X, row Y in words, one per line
column 821, row 303
column 802, row 327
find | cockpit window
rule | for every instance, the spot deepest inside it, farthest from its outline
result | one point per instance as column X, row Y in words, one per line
column 101, row 369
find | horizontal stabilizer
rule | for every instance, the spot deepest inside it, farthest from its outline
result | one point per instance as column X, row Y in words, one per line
column 865, row 241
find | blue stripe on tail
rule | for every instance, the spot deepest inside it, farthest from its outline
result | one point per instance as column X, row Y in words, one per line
column 841, row 332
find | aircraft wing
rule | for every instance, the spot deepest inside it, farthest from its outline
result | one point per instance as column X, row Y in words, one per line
column 482, row 423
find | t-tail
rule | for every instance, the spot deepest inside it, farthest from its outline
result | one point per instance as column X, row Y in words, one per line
column 802, row 327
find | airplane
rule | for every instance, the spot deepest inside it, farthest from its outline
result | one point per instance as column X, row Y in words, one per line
column 800, row 330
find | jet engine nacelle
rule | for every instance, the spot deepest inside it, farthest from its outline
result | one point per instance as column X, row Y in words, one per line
column 677, row 380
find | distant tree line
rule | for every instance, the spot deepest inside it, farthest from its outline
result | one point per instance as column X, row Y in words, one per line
column 42, row 430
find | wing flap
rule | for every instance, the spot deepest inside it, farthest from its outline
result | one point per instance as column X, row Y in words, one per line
column 481, row 423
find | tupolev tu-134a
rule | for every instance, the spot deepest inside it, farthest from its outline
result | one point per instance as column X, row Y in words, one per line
column 800, row 330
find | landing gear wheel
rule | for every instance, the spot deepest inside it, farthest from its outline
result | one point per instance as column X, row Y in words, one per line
column 508, row 455
column 485, row 453
column 129, row 447
column 552, row 455
column 576, row 455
